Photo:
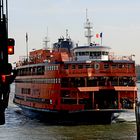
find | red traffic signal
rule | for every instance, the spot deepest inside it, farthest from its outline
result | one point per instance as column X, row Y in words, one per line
column 11, row 44
column 10, row 50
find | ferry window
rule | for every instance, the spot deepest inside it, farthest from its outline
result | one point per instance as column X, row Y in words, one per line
column 40, row 70
column 47, row 101
column 106, row 66
column 76, row 53
column 83, row 53
column 80, row 66
column 64, row 82
column 69, row 101
column 59, row 80
column 114, row 66
column 18, row 72
column 86, row 53
column 88, row 66
column 50, row 67
column 50, row 101
column 56, row 80
column 56, row 67
column 129, row 65
column 104, row 53
column 65, row 93
column 30, row 71
column 80, row 53
column 92, row 66
column 66, row 66
column 46, row 68
column 73, row 66
column 91, row 53
column 52, row 80
column 43, row 69
column 34, row 70
column 25, row 90
column 120, row 65
column 98, row 54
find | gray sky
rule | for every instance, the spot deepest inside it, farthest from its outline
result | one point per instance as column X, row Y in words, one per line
column 119, row 20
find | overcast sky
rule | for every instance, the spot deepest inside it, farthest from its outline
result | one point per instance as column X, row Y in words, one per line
column 119, row 20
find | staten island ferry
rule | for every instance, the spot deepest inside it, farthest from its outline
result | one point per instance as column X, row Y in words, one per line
column 72, row 82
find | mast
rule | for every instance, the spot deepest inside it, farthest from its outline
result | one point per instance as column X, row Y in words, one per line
column 27, row 47
column 46, row 41
column 88, row 27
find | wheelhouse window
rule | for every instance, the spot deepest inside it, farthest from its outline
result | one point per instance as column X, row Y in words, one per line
column 104, row 53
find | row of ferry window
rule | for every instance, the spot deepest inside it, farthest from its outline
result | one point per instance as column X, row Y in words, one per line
column 48, row 81
column 31, row 99
column 39, row 70
column 91, row 53
column 97, row 66
column 52, row 68
column 45, row 81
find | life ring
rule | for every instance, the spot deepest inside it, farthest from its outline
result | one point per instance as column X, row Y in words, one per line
column 96, row 66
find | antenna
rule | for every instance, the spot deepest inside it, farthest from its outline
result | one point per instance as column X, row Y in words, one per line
column 46, row 41
column 67, row 33
column 88, row 27
column 86, row 14
column 27, row 47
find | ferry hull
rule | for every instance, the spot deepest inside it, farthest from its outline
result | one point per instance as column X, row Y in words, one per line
column 105, row 116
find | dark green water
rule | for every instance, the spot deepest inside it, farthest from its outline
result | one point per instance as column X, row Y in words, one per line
column 19, row 127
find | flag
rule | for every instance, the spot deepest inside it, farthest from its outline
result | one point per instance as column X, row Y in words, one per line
column 101, row 35
column 26, row 37
column 97, row 35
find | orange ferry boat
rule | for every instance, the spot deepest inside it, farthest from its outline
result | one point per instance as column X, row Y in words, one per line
column 81, row 82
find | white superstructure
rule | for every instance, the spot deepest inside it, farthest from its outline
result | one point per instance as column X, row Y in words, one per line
column 92, row 52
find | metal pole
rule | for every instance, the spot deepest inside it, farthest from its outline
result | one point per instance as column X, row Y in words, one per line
column 101, row 41
column 7, row 15
column 27, row 46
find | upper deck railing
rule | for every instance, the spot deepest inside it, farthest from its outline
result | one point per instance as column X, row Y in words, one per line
column 115, row 57
column 38, row 59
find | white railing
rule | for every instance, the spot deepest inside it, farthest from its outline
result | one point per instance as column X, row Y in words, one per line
column 114, row 57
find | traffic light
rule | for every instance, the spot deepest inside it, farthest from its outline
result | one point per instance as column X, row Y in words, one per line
column 11, row 44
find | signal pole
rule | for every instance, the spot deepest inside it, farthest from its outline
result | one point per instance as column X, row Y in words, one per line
column 7, row 75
